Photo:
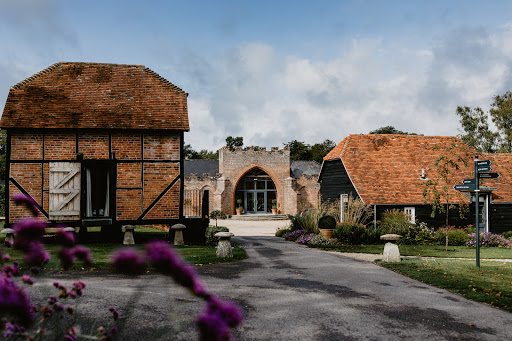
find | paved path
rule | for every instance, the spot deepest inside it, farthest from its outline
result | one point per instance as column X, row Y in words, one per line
column 290, row 292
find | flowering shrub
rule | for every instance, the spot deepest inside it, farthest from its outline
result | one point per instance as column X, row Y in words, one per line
column 489, row 239
column 305, row 238
column 293, row 236
column 19, row 313
column 320, row 240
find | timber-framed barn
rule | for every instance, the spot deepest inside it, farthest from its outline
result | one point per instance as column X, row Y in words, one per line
column 96, row 145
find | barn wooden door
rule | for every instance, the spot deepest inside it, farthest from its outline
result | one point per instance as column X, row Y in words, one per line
column 64, row 181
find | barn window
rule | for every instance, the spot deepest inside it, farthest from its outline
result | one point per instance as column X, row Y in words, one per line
column 410, row 212
column 97, row 182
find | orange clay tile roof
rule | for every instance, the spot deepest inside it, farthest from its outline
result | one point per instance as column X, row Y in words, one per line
column 96, row 95
column 386, row 169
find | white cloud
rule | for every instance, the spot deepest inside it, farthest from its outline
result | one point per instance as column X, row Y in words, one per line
column 270, row 99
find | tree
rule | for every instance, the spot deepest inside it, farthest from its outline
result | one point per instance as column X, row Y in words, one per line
column 302, row 151
column 475, row 124
column 438, row 191
column 191, row 154
column 478, row 135
column 389, row 130
column 299, row 150
column 233, row 142
column 319, row 150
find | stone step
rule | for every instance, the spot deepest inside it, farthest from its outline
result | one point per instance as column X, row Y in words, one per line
column 257, row 217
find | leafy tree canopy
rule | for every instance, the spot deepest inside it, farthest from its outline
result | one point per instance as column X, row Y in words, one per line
column 476, row 130
column 233, row 142
column 202, row 154
column 302, row 151
column 389, row 130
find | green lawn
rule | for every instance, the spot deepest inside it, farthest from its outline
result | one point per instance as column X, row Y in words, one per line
column 492, row 283
column 430, row 251
column 101, row 252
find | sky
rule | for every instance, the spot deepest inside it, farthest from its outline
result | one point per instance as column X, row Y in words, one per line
column 277, row 71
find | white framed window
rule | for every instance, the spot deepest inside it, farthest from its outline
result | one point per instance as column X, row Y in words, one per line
column 410, row 212
column 343, row 206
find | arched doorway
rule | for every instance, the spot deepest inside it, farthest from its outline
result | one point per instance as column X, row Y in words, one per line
column 257, row 191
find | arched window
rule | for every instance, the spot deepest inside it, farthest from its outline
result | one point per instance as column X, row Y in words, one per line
column 256, row 190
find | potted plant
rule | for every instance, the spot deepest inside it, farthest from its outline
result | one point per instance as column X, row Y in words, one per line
column 326, row 225
column 274, row 206
column 239, row 208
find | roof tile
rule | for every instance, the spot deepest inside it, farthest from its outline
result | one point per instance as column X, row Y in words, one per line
column 96, row 95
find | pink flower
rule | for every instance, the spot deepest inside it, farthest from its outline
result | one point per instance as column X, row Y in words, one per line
column 83, row 254
column 27, row 201
column 129, row 261
column 14, row 301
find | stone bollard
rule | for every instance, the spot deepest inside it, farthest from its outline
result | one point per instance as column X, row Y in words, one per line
column 224, row 247
column 128, row 235
column 178, row 234
column 9, row 235
column 391, row 252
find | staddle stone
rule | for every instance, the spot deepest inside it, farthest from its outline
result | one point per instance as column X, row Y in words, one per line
column 9, row 235
column 178, row 234
column 128, row 235
column 224, row 247
column 393, row 237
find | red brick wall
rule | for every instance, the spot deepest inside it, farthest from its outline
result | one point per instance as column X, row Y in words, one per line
column 60, row 146
column 126, row 146
column 26, row 146
column 93, row 146
column 28, row 175
column 161, row 147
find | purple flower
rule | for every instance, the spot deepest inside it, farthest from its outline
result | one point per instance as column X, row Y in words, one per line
column 11, row 270
column 65, row 238
column 129, row 261
column 215, row 322
column 27, row 201
column 212, row 328
column 27, row 279
column 83, row 254
column 14, row 301
column 66, row 256
column 35, row 254
column 71, row 334
column 78, row 287
column 27, row 231
column 167, row 261
column 115, row 313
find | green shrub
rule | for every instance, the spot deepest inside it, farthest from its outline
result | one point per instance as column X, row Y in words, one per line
column 305, row 221
column 327, row 222
column 210, row 234
column 395, row 221
column 356, row 234
column 282, row 232
column 217, row 215
column 456, row 237
column 507, row 234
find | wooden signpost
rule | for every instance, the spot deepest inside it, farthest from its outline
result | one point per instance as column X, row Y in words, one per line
column 472, row 185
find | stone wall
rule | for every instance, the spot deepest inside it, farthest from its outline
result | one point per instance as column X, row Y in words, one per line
column 292, row 194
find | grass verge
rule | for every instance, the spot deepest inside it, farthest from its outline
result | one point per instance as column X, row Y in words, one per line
column 101, row 254
column 491, row 284
column 429, row 251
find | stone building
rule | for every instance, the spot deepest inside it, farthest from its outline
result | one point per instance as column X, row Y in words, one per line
column 256, row 177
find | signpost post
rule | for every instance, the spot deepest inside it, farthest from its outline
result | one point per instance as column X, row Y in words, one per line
column 472, row 185
column 478, row 165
